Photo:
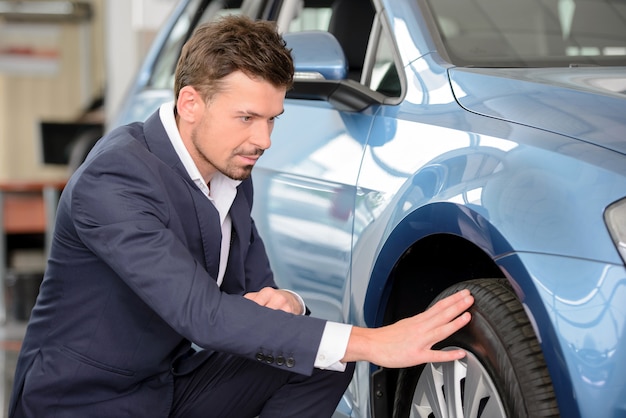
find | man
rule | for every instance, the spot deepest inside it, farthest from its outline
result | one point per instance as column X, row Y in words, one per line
column 158, row 299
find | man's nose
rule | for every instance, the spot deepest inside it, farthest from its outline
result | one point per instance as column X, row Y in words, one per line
column 262, row 135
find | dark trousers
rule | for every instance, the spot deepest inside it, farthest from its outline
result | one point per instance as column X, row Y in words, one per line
column 229, row 386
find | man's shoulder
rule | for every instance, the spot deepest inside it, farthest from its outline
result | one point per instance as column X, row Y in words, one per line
column 138, row 130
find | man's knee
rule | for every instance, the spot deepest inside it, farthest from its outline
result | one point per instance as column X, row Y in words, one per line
column 340, row 380
column 349, row 372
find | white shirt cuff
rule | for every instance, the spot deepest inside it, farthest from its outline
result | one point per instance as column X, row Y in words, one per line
column 299, row 299
column 333, row 346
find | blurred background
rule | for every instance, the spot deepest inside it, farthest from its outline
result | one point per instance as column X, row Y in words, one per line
column 65, row 61
column 64, row 69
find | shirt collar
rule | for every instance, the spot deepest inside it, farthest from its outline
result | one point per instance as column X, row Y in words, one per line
column 166, row 113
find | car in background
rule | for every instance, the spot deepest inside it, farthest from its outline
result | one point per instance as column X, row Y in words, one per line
column 433, row 145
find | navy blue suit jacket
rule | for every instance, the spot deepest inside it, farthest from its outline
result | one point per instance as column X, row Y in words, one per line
column 130, row 282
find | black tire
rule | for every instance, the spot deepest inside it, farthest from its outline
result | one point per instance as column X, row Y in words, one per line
column 501, row 346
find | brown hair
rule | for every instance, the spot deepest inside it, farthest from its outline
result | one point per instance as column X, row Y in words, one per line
column 234, row 42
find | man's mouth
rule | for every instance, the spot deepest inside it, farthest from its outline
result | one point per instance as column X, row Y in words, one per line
column 252, row 157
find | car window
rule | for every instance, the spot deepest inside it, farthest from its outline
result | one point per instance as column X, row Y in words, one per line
column 384, row 77
column 196, row 13
column 350, row 21
column 311, row 18
column 532, row 33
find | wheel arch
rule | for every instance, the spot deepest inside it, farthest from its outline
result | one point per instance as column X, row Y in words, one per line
column 423, row 241
column 407, row 274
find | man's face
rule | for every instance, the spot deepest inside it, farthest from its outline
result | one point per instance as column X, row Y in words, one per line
column 234, row 128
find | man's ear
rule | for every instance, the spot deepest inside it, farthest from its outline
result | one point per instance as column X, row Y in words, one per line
column 189, row 104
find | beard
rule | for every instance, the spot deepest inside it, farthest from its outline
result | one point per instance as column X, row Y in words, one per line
column 239, row 173
column 228, row 167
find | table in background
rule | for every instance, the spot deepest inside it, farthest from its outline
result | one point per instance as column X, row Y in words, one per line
column 26, row 207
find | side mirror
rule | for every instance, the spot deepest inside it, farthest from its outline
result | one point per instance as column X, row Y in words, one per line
column 321, row 71
column 317, row 55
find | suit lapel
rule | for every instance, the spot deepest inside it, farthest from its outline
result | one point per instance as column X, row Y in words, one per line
column 210, row 230
column 234, row 277
column 207, row 230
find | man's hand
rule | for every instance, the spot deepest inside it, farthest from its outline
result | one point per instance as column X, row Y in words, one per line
column 408, row 342
column 276, row 299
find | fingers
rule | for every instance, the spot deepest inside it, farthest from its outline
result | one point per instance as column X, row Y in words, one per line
column 447, row 355
column 444, row 331
column 448, row 308
column 263, row 297
column 447, row 316
column 275, row 299
column 260, row 297
column 452, row 305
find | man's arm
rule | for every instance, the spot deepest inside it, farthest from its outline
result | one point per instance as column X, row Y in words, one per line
column 408, row 342
column 405, row 343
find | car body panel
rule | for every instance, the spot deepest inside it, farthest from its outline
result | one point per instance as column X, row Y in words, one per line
column 574, row 102
column 307, row 206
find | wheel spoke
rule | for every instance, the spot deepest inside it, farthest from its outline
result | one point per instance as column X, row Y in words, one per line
column 454, row 374
column 428, row 397
column 481, row 395
column 493, row 409
column 475, row 390
column 456, row 389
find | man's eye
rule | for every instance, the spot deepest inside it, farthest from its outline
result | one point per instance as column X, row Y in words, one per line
column 246, row 118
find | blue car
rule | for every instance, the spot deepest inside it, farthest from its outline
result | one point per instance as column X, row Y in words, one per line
column 432, row 145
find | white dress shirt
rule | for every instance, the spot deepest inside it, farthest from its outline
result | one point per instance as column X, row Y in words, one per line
column 222, row 194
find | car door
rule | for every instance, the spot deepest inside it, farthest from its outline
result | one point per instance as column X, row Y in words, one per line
column 305, row 184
